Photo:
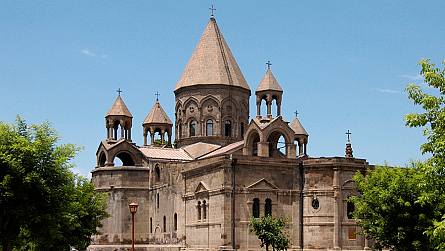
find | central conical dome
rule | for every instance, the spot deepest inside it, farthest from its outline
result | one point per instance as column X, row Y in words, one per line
column 212, row 62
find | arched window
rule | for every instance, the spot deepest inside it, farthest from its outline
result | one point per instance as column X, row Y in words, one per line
column 256, row 208
column 209, row 127
column 228, row 128
column 180, row 130
column 175, row 221
column 164, row 224
column 125, row 158
column 350, row 208
column 199, row 210
column 204, row 210
column 157, row 173
column 268, row 207
column 151, row 225
column 157, row 200
column 193, row 126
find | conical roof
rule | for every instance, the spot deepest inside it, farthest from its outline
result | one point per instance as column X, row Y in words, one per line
column 212, row 62
column 119, row 108
column 269, row 83
column 157, row 115
column 297, row 127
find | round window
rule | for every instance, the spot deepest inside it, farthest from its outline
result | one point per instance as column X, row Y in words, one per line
column 315, row 203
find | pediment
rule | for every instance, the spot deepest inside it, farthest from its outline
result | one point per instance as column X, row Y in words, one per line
column 262, row 184
column 201, row 188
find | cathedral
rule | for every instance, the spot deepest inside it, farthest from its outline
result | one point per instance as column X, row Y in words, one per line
column 199, row 191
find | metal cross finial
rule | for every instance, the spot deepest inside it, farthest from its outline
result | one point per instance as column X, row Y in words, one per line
column 296, row 113
column 268, row 63
column 212, row 10
column 157, row 96
column 348, row 133
column 118, row 91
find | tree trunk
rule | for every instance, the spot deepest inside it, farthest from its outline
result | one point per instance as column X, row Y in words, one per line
column 267, row 247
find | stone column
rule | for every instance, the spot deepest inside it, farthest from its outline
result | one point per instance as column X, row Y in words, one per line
column 337, row 209
column 258, row 108
column 269, row 108
column 129, row 134
column 152, row 136
column 263, row 149
column 145, row 137
column 278, row 107
column 300, row 147
column 291, row 151
column 162, row 136
column 122, row 129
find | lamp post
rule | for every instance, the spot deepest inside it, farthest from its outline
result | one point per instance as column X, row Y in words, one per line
column 133, row 209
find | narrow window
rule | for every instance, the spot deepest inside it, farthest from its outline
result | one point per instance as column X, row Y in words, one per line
column 204, row 210
column 199, row 210
column 315, row 203
column 350, row 207
column 157, row 200
column 268, row 207
column 193, row 125
column 151, row 225
column 209, row 127
column 180, row 130
column 165, row 224
column 157, row 173
column 242, row 129
column 227, row 128
column 175, row 222
column 256, row 208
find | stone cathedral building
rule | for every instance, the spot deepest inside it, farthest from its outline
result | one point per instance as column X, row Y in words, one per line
column 199, row 192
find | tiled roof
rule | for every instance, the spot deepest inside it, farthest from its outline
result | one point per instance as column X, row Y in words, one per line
column 152, row 152
column 198, row 149
column 225, row 150
column 269, row 83
column 298, row 127
column 157, row 115
column 212, row 62
column 119, row 108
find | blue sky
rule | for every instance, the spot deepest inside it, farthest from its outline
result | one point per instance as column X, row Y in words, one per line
column 342, row 64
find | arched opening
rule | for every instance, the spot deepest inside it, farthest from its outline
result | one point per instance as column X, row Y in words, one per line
column 157, row 200
column 151, row 225
column 157, row 173
column 164, row 225
column 125, row 159
column 350, row 208
column 199, row 210
column 268, row 207
column 252, row 143
column 102, row 159
column 209, row 127
column 204, row 210
column 256, row 208
column 175, row 221
column 192, row 128
column 274, row 106
column 263, row 104
column 116, row 130
column 277, row 145
column 228, row 128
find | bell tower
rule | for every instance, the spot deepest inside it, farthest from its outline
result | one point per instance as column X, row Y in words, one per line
column 118, row 120
column 269, row 90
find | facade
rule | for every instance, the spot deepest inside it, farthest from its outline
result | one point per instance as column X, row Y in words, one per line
column 200, row 192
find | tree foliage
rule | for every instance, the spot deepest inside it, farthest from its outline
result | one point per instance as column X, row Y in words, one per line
column 404, row 208
column 43, row 205
column 270, row 232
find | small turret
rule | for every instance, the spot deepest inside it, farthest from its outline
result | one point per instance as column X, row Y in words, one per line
column 118, row 117
column 157, row 121
column 269, row 89
column 301, row 136
column 348, row 150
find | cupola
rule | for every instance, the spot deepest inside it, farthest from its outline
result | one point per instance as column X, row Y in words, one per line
column 118, row 118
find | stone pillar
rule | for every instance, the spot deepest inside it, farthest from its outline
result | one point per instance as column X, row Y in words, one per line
column 263, row 149
column 152, row 136
column 129, row 134
column 305, row 148
column 269, row 108
column 278, row 107
column 258, row 108
column 337, row 209
column 122, row 129
column 300, row 147
column 291, row 151
column 162, row 136
column 169, row 134
column 145, row 137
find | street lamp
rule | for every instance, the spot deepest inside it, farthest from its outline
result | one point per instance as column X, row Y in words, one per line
column 133, row 209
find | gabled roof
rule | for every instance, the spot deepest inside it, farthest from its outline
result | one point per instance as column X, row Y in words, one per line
column 119, row 108
column 157, row 115
column 297, row 127
column 212, row 62
column 152, row 152
column 269, row 83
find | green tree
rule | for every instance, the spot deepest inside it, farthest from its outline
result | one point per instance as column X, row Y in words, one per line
column 404, row 208
column 388, row 209
column 43, row 205
column 270, row 232
column 432, row 120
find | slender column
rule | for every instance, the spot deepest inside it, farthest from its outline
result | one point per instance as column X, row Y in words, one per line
column 129, row 134
column 337, row 209
column 122, row 129
column 169, row 134
column 278, row 107
column 269, row 108
column 152, row 136
column 145, row 136
column 305, row 148
column 300, row 147
column 162, row 136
